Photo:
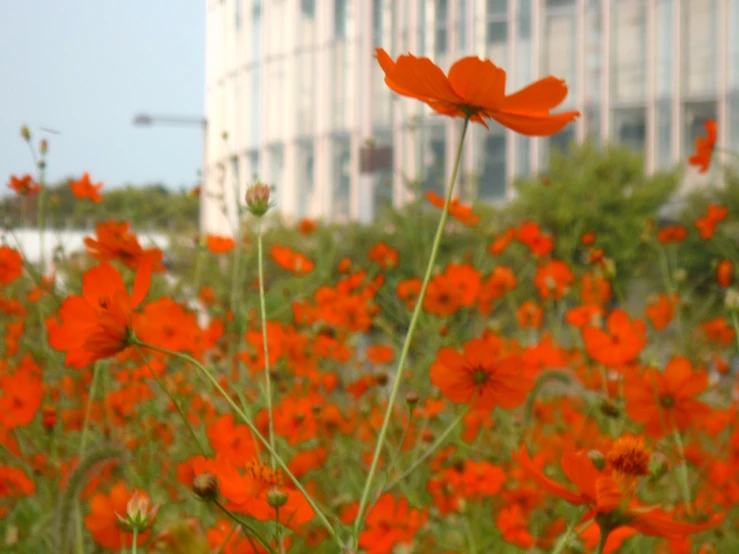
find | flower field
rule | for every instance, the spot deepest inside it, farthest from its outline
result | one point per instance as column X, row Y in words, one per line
column 451, row 379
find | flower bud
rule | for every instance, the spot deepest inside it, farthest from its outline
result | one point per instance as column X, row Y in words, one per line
column 411, row 399
column 205, row 486
column 731, row 300
column 598, row 459
column 48, row 417
column 26, row 133
column 608, row 409
column 139, row 513
column 43, row 146
column 276, row 499
column 381, row 379
column 257, row 199
column 658, row 466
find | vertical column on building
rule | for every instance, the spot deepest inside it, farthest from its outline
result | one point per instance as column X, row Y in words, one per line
column 536, row 17
column 228, row 101
column 605, row 77
column 362, row 185
column 452, row 129
column 404, row 158
column 263, row 112
column 322, row 148
column 651, row 108
column 510, row 140
column 722, row 49
column 289, row 187
column 676, row 108
column 580, row 70
column 468, row 153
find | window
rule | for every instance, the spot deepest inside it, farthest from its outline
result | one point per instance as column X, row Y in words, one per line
column 492, row 183
column 308, row 8
column 663, row 151
column 340, row 19
column 628, row 51
column 376, row 22
column 629, row 128
column 699, row 47
column 441, row 21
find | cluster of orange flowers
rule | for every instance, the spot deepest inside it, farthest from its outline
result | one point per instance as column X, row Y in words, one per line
column 527, row 391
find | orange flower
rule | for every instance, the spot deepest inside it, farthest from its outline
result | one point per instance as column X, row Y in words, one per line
column 704, row 147
column 725, row 273
column 623, row 342
column 24, row 186
column 672, row 234
column 442, row 298
column 501, row 281
column 706, row 224
column 380, row 354
column 11, row 265
column 529, row 315
column 384, row 255
column 409, row 290
column 587, row 238
column 529, row 234
column 307, row 226
column 390, row 522
column 116, row 241
column 664, row 401
column 501, row 241
column 220, row 245
column 476, row 89
column 83, row 188
column 513, row 525
column 553, row 278
column 292, row 261
column 661, row 311
column 102, row 521
column 456, row 209
column 99, row 323
column 608, row 493
column 481, row 376
column 20, row 397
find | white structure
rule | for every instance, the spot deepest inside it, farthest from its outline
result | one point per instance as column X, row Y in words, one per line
column 294, row 85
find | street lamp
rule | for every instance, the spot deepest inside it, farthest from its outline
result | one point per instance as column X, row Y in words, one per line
column 148, row 120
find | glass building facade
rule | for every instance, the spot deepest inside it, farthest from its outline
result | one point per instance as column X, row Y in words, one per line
column 294, row 85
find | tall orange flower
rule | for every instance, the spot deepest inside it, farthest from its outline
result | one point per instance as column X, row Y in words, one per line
column 11, row 265
column 220, row 245
column 84, row 188
column 609, row 492
column 621, row 344
column 99, row 323
column 481, row 376
column 704, row 147
column 117, row 241
column 475, row 88
column 667, row 401
column 24, row 186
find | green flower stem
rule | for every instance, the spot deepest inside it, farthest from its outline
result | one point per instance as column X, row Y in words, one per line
column 684, row 484
column 88, row 409
column 408, row 337
column 735, row 322
column 263, row 308
column 183, row 415
column 433, row 448
column 134, row 546
column 250, row 424
column 248, row 526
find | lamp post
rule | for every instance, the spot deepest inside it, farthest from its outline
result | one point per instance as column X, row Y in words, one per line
column 148, row 120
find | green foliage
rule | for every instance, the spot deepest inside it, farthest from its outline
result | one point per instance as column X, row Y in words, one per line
column 153, row 207
column 604, row 191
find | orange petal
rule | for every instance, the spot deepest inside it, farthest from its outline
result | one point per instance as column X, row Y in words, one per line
column 535, row 124
column 480, row 83
column 541, row 96
column 420, row 78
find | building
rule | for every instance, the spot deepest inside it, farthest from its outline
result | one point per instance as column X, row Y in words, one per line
column 294, row 85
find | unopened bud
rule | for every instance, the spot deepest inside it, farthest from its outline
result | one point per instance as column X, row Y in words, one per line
column 257, row 199
column 43, row 146
column 731, row 300
column 609, row 268
column 658, row 466
column 598, row 459
column 25, row 132
column 411, row 399
column 608, row 409
column 680, row 275
column 276, row 499
column 140, row 515
column 381, row 379
column 205, row 486
column 48, row 417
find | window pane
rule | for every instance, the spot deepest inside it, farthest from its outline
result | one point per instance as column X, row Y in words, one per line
column 340, row 19
column 492, row 183
column 628, row 51
column 304, row 179
column 559, row 47
column 664, row 48
column 629, row 128
column 664, row 135
column 699, row 46
column 733, row 45
column 433, row 157
column 341, row 177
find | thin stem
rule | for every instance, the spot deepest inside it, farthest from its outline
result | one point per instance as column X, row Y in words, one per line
column 249, row 527
column 134, row 546
column 602, row 541
column 735, row 322
column 235, row 407
column 174, row 401
column 88, row 409
column 433, row 448
column 683, row 469
column 408, row 337
column 265, row 341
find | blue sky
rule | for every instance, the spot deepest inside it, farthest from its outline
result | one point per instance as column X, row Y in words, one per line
column 85, row 68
